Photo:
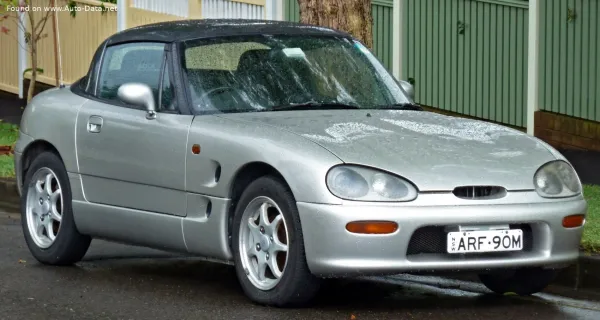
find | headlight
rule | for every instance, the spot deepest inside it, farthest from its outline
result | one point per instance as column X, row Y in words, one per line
column 364, row 184
column 557, row 179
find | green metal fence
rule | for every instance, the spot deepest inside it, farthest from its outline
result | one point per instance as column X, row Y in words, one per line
column 382, row 26
column 291, row 10
column 468, row 56
column 569, row 57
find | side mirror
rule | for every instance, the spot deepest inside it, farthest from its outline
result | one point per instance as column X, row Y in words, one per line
column 138, row 94
column 408, row 88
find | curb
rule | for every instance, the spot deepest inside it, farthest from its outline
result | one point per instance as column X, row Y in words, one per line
column 8, row 189
column 585, row 274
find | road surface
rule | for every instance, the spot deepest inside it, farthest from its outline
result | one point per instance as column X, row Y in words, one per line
column 123, row 282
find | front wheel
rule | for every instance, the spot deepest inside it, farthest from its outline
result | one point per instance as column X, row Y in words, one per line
column 268, row 246
column 522, row 282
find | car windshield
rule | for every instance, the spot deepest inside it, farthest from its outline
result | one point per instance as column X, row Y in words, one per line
column 285, row 72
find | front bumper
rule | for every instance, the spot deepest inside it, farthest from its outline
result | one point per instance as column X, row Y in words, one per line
column 333, row 251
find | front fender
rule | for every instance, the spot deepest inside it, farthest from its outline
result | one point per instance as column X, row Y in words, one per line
column 51, row 116
column 228, row 145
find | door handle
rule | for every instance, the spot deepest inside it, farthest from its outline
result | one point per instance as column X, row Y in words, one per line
column 94, row 124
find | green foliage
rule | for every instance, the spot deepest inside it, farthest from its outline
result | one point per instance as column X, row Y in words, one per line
column 5, row 4
column 39, row 70
column 591, row 231
column 8, row 134
column 7, row 167
column 73, row 4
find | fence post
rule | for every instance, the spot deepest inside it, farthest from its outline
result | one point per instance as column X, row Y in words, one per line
column 398, row 38
column 533, row 65
column 278, row 10
column 269, row 9
column 122, row 15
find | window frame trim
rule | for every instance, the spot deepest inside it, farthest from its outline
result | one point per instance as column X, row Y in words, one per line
column 98, row 59
column 166, row 64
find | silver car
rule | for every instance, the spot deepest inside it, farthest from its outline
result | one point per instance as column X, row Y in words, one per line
column 289, row 151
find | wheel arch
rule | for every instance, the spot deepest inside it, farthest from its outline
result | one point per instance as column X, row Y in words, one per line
column 241, row 179
column 31, row 151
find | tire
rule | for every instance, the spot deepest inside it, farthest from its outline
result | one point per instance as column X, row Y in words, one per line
column 297, row 286
column 68, row 245
column 522, row 282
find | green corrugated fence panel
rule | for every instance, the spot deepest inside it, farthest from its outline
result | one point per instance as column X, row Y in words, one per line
column 291, row 10
column 383, row 21
column 569, row 57
column 468, row 56
column 382, row 26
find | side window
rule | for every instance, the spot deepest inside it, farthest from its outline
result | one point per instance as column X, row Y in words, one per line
column 131, row 62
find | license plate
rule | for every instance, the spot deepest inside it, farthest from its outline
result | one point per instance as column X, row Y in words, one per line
column 485, row 241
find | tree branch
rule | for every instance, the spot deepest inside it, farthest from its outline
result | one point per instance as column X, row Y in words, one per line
column 19, row 42
column 30, row 16
column 44, row 20
column 20, row 25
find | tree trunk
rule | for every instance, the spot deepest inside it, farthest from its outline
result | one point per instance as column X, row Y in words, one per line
column 351, row 16
column 33, row 71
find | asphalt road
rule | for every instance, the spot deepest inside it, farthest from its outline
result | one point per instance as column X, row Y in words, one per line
column 123, row 282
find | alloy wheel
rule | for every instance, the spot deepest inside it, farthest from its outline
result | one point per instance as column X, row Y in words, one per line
column 44, row 207
column 263, row 243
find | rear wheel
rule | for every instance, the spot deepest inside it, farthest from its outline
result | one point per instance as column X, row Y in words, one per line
column 46, row 214
column 268, row 246
column 523, row 282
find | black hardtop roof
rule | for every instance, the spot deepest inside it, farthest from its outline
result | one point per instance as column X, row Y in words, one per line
column 182, row 30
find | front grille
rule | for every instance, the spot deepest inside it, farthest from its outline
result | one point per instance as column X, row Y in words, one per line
column 433, row 239
column 427, row 240
column 479, row 192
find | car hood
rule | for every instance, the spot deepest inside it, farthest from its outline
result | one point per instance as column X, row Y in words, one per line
column 436, row 152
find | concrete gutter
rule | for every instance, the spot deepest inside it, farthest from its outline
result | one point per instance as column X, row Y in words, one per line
column 584, row 275
column 8, row 189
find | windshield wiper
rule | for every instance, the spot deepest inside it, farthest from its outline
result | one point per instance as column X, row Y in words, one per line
column 401, row 106
column 313, row 106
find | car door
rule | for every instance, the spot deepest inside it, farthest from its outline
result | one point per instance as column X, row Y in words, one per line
column 124, row 158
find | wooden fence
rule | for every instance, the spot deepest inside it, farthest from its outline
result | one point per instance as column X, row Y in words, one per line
column 465, row 56
column 81, row 33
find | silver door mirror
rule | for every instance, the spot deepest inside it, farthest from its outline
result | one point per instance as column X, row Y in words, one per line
column 408, row 88
column 138, row 94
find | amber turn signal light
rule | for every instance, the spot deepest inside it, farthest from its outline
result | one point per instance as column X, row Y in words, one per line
column 372, row 227
column 196, row 149
column 573, row 221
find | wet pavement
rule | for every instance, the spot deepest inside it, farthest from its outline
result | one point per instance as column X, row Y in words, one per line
column 123, row 282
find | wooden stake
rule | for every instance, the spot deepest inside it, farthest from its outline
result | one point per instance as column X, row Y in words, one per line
column 54, row 28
